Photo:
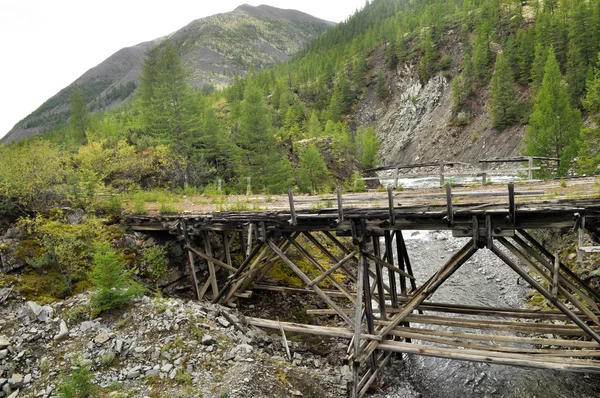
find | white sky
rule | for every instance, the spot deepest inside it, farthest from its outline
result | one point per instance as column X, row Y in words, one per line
column 50, row 43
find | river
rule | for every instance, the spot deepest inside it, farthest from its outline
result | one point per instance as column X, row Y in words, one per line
column 483, row 280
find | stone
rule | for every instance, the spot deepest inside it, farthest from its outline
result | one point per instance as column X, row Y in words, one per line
column 152, row 373
column 15, row 394
column 27, row 378
column 63, row 331
column 16, row 380
column 101, row 338
column 207, row 339
column 223, row 322
column 119, row 345
column 4, row 342
column 572, row 256
column 34, row 310
column 133, row 374
column 3, row 354
column 88, row 325
column 166, row 368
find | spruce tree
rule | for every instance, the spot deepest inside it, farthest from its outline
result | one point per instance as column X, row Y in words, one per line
column 314, row 125
column 313, row 175
column 553, row 126
column 427, row 67
column 588, row 161
column 260, row 156
column 524, row 54
column 537, row 68
column 576, row 75
column 482, row 52
column 79, row 120
column 381, row 90
column 503, row 97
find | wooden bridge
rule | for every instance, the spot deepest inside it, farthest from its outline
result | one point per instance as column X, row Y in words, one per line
column 372, row 298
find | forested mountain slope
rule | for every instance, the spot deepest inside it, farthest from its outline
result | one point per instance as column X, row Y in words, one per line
column 214, row 49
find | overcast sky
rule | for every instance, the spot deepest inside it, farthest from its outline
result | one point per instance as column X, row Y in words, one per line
column 50, row 43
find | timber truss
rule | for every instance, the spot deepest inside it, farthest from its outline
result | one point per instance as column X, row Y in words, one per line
column 377, row 303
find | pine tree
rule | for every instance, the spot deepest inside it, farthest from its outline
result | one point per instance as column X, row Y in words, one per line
column 537, row 68
column 313, row 175
column 367, row 147
column 427, row 67
column 260, row 156
column 80, row 120
column 503, row 95
column 576, row 75
column 524, row 54
column 381, row 90
column 588, row 161
column 462, row 85
column 482, row 53
column 314, row 125
column 553, row 126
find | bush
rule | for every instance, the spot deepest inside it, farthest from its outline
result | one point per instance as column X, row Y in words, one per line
column 79, row 383
column 113, row 281
column 154, row 259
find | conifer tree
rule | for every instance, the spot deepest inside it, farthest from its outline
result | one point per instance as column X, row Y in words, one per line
column 381, row 89
column 576, row 75
column 367, row 147
column 260, row 156
column 482, row 52
column 524, row 54
column 503, row 95
column 314, row 125
column 79, row 121
column 427, row 67
column 537, row 68
column 553, row 126
column 313, row 175
column 588, row 161
column 462, row 85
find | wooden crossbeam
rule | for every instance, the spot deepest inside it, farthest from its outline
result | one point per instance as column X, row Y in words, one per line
column 307, row 280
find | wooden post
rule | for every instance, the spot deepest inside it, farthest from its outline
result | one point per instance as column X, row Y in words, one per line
column 391, row 274
column 555, row 276
column 249, row 242
column 293, row 220
column 219, row 185
column 450, row 216
column 530, row 168
column 192, row 268
column 391, row 205
column 397, row 177
column 379, row 277
column 581, row 237
column 339, row 206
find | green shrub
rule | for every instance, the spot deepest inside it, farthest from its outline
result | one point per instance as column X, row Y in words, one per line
column 154, row 259
column 79, row 382
column 113, row 281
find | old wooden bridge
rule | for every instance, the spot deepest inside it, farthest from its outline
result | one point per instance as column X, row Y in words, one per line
column 377, row 305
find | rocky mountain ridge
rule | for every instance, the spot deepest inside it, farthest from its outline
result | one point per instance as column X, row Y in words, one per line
column 214, row 49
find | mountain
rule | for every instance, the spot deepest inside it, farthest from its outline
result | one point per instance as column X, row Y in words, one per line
column 214, row 49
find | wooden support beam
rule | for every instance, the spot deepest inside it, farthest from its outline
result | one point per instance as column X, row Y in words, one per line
column 379, row 276
column 563, row 267
column 238, row 272
column 205, row 256
column 211, row 266
column 526, row 360
column 380, row 262
column 429, row 288
column 573, row 300
column 227, row 249
column 306, row 280
column 332, row 269
column 191, row 267
column 321, row 269
column 391, row 274
column 327, row 253
column 546, row 294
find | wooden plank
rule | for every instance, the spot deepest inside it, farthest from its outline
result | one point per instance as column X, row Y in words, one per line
column 380, row 262
column 233, row 278
column 572, row 365
column 205, row 256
